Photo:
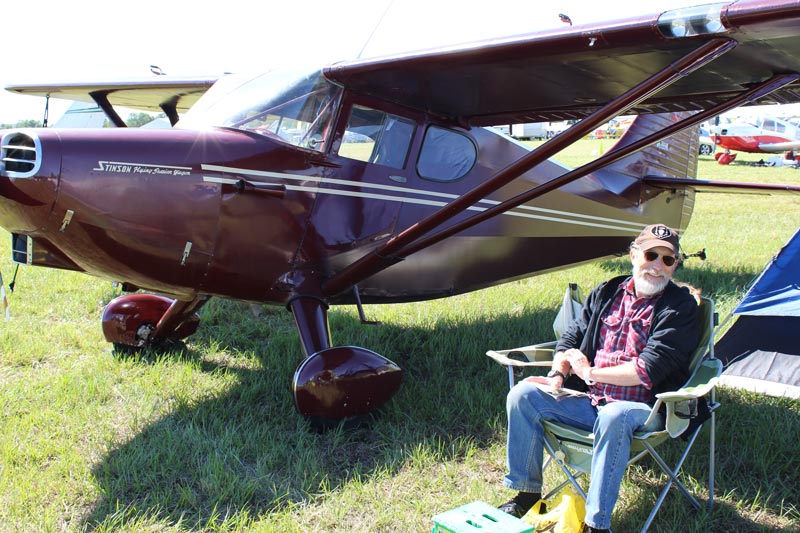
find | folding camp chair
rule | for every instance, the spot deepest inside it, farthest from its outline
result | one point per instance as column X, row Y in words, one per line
column 572, row 448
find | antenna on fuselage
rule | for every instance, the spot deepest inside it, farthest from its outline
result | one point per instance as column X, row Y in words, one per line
column 388, row 7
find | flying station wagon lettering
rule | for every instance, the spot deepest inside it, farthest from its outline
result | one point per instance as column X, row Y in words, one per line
column 140, row 168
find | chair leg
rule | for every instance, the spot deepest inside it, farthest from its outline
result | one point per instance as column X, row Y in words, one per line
column 673, row 478
column 711, row 458
column 571, row 478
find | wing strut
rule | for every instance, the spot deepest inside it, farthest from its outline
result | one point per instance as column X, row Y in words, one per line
column 101, row 98
column 757, row 92
column 170, row 108
column 386, row 255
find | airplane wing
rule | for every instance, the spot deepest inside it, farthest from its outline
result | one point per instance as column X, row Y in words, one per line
column 571, row 72
column 171, row 95
column 780, row 147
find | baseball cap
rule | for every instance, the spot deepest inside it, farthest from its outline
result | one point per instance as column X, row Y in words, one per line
column 656, row 235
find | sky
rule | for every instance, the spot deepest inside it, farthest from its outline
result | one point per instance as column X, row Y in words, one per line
column 53, row 41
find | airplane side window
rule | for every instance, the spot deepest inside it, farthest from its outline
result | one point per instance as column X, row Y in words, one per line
column 446, row 155
column 773, row 125
column 376, row 137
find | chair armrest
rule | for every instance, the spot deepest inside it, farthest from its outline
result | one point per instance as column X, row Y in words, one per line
column 534, row 355
column 702, row 381
column 688, row 393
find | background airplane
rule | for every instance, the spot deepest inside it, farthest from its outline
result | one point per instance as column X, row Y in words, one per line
column 761, row 133
column 374, row 180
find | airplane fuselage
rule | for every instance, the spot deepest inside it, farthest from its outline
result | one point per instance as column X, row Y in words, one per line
column 233, row 214
column 761, row 135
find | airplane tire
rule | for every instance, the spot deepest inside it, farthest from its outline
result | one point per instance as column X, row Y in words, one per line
column 344, row 382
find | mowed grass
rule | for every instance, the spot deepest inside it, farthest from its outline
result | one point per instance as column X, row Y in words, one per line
column 208, row 439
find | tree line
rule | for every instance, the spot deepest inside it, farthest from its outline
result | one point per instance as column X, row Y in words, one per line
column 134, row 120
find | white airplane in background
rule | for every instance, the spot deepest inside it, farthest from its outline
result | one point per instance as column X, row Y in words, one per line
column 757, row 134
column 82, row 115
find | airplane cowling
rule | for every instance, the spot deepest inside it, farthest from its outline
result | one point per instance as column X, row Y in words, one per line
column 344, row 381
column 125, row 317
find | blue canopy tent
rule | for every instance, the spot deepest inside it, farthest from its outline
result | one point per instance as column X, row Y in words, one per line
column 761, row 350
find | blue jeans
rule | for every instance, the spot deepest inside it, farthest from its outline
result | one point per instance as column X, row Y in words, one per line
column 613, row 425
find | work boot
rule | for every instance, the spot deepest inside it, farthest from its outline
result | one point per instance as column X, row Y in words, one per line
column 521, row 503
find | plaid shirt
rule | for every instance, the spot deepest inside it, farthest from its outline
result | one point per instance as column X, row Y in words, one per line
column 623, row 336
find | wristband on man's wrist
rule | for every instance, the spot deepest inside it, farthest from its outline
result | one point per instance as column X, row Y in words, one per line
column 553, row 373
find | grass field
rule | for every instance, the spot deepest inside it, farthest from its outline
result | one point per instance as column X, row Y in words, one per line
column 208, row 439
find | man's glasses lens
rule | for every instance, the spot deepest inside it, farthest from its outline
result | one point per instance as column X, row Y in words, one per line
column 669, row 260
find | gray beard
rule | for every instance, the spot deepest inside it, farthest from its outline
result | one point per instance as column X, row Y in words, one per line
column 646, row 287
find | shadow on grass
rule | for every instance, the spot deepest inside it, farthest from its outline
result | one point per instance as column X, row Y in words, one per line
column 246, row 451
column 756, row 472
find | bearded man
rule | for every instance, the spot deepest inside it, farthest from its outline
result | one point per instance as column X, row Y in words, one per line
column 633, row 339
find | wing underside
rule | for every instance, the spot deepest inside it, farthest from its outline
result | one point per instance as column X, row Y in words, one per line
column 570, row 73
column 161, row 94
column 148, row 94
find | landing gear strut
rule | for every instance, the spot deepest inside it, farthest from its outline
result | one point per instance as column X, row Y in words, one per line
column 334, row 383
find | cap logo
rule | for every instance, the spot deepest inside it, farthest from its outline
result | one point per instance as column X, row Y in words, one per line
column 661, row 232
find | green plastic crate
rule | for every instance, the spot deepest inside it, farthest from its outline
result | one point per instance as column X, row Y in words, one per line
column 478, row 517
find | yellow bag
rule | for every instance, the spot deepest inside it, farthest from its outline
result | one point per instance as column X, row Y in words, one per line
column 566, row 511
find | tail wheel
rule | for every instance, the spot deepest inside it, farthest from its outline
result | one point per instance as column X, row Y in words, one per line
column 129, row 321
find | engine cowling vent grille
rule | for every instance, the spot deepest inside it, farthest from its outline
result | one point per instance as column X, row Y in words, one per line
column 20, row 155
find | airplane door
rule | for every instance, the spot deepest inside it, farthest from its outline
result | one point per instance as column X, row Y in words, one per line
column 363, row 196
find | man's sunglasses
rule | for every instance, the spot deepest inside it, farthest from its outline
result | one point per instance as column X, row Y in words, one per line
column 669, row 260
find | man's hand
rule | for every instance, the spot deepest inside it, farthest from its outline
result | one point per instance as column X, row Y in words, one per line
column 577, row 361
column 580, row 364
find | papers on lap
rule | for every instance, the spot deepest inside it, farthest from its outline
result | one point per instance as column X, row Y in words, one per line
column 557, row 393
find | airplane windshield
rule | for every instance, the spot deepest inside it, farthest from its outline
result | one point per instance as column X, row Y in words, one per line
column 292, row 106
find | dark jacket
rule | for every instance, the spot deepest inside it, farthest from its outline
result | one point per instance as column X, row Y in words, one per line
column 673, row 335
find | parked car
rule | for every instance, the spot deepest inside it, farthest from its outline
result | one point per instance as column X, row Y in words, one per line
column 525, row 132
column 707, row 146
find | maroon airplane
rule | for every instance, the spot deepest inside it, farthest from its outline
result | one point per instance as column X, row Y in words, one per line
column 375, row 181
